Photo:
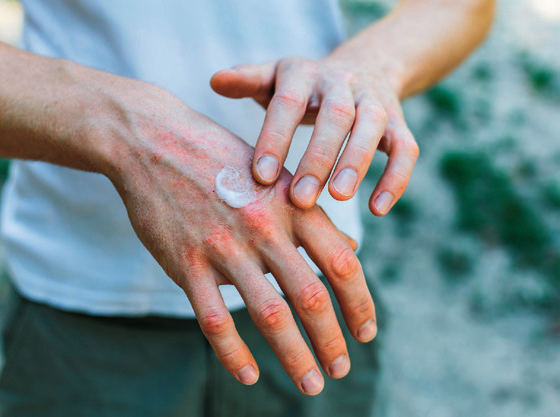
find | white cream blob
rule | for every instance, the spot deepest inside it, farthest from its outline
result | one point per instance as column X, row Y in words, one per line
column 236, row 191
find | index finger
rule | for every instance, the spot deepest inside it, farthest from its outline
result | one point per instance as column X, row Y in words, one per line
column 283, row 115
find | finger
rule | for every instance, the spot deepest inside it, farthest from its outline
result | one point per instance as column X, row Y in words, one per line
column 256, row 81
column 218, row 327
column 273, row 317
column 349, row 240
column 403, row 152
column 311, row 301
column 283, row 115
column 334, row 121
column 343, row 270
column 356, row 158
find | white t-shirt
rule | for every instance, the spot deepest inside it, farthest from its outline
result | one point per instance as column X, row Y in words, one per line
column 68, row 239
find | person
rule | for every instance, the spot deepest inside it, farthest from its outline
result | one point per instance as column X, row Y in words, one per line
column 116, row 183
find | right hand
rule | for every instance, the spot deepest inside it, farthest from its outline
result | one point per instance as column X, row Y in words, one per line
column 167, row 182
column 163, row 159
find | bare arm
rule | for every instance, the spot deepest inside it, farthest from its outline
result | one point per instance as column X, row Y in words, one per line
column 357, row 90
column 420, row 41
column 164, row 159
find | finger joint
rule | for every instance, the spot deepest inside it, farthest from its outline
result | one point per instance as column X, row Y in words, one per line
column 215, row 323
column 289, row 99
column 341, row 113
column 274, row 315
column 314, row 298
column 344, row 263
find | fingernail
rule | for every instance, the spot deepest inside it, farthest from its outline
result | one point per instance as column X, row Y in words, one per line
column 339, row 367
column 267, row 167
column 248, row 375
column 367, row 331
column 312, row 383
column 345, row 181
column 384, row 202
column 306, row 190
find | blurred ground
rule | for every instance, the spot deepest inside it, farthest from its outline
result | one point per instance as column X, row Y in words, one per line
column 468, row 263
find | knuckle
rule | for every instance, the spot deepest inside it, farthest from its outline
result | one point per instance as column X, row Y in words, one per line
column 218, row 241
column 413, row 149
column 321, row 157
column 375, row 113
column 362, row 154
column 260, row 221
column 274, row 137
column 230, row 355
column 334, row 343
column 400, row 180
column 344, row 263
column 217, row 238
column 340, row 112
column 296, row 359
column 362, row 307
column 314, row 298
column 193, row 261
column 215, row 324
column 290, row 99
column 274, row 315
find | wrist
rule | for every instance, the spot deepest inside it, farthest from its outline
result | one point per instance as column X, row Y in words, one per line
column 132, row 125
column 373, row 62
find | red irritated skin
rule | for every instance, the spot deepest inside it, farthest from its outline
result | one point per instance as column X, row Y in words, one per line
column 163, row 159
column 355, row 92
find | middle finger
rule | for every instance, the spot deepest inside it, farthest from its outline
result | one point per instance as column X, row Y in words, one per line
column 334, row 121
column 273, row 317
column 311, row 301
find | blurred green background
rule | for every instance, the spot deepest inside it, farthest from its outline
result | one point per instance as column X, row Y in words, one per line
column 468, row 262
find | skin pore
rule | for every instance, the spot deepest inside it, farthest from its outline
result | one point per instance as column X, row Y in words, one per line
column 163, row 159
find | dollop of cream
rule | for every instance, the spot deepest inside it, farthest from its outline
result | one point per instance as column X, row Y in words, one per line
column 236, row 191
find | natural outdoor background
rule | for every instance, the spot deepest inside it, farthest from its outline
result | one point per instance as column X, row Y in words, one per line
column 468, row 263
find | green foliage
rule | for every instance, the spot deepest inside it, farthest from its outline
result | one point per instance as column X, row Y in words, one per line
column 477, row 302
column 446, row 101
column 4, row 168
column 551, row 194
column 543, row 78
column 361, row 13
column 405, row 213
column 482, row 111
column 404, row 209
column 390, row 273
column 526, row 169
column 482, row 72
column 454, row 263
column 372, row 8
column 490, row 207
column 517, row 118
column 507, row 144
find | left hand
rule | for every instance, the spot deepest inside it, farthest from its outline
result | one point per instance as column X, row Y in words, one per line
column 340, row 99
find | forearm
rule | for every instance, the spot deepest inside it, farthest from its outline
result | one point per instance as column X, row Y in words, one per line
column 56, row 111
column 420, row 41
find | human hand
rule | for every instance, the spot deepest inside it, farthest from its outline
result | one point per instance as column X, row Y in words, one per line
column 339, row 98
column 164, row 164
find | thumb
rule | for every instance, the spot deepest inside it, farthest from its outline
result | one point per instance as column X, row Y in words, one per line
column 255, row 81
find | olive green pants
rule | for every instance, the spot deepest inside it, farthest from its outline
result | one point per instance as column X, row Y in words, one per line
column 67, row 364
